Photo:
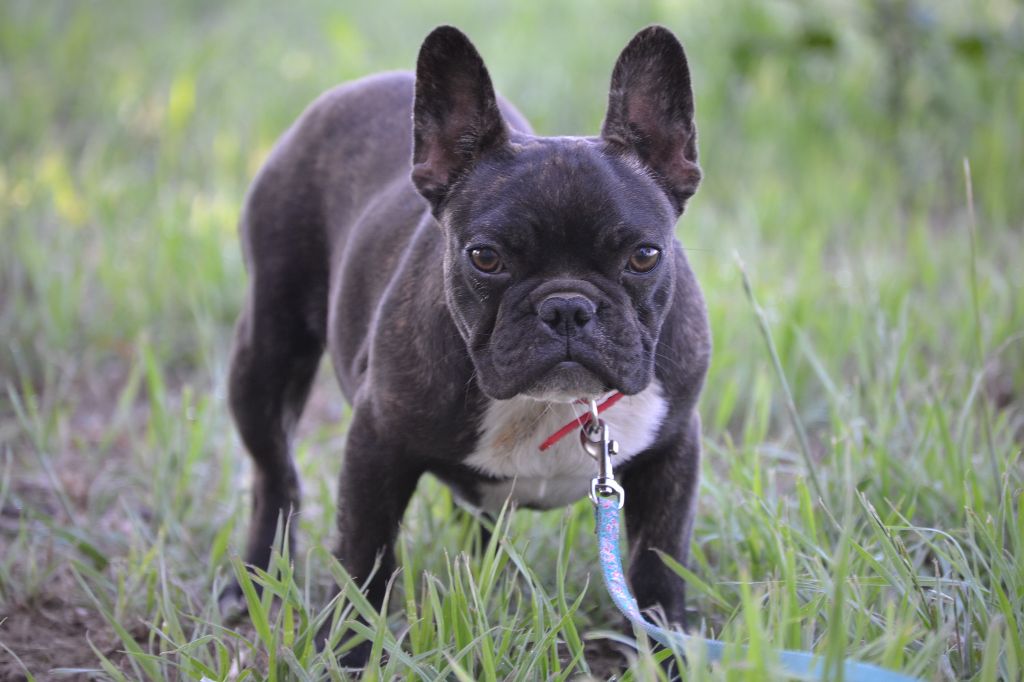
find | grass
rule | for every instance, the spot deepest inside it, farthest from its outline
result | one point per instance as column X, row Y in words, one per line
column 883, row 352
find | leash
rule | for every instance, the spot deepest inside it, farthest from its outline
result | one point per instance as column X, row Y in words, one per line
column 580, row 421
column 608, row 498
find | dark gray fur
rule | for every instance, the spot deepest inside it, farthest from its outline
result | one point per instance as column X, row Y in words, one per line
column 344, row 254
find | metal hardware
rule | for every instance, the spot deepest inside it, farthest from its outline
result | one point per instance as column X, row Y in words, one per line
column 595, row 414
column 595, row 437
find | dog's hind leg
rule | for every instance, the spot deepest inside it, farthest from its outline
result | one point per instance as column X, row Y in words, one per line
column 279, row 339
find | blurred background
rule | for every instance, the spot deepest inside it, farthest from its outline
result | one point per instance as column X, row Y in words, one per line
column 833, row 137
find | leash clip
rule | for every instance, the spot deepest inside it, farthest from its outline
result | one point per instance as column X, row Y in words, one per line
column 596, row 439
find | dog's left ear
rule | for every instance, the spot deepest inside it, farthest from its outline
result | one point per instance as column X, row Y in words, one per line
column 650, row 111
column 455, row 116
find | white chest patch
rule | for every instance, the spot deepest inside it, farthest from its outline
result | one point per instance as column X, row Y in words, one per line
column 509, row 446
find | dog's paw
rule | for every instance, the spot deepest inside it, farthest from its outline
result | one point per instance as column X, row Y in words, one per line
column 357, row 657
column 353, row 659
column 231, row 603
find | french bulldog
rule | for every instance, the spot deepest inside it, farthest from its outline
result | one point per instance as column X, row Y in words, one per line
column 470, row 282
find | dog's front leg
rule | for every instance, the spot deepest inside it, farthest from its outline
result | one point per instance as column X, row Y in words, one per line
column 661, row 492
column 377, row 480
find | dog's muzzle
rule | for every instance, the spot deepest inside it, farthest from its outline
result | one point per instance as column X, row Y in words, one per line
column 566, row 313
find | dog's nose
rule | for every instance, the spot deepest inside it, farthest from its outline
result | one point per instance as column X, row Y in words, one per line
column 566, row 314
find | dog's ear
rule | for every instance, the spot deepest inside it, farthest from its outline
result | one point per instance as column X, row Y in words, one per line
column 650, row 111
column 455, row 115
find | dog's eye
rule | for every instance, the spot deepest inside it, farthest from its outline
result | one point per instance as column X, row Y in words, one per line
column 485, row 259
column 644, row 259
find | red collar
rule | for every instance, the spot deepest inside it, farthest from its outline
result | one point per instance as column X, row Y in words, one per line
column 579, row 422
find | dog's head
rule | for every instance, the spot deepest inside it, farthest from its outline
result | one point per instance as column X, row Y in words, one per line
column 561, row 258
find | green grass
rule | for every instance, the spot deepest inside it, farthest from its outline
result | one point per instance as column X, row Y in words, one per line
column 833, row 138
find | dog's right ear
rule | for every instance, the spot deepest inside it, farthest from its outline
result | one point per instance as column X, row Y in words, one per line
column 455, row 115
column 650, row 111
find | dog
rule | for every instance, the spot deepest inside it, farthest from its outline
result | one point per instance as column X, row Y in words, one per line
column 471, row 281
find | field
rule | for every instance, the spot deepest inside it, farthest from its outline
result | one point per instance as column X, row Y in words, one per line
column 863, row 479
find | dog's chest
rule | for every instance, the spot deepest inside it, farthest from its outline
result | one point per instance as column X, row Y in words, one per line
column 512, row 431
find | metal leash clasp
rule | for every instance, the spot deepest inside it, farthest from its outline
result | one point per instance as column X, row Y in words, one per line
column 596, row 439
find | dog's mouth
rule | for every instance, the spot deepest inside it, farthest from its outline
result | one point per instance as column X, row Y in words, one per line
column 566, row 381
column 522, row 355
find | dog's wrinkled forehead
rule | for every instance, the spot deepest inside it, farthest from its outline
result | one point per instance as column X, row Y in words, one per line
column 572, row 191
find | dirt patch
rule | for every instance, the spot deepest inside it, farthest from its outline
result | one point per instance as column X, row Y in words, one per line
column 51, row 632
column 45, row 618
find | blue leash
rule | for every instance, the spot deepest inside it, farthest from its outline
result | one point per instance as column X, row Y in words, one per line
column 608, row 497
